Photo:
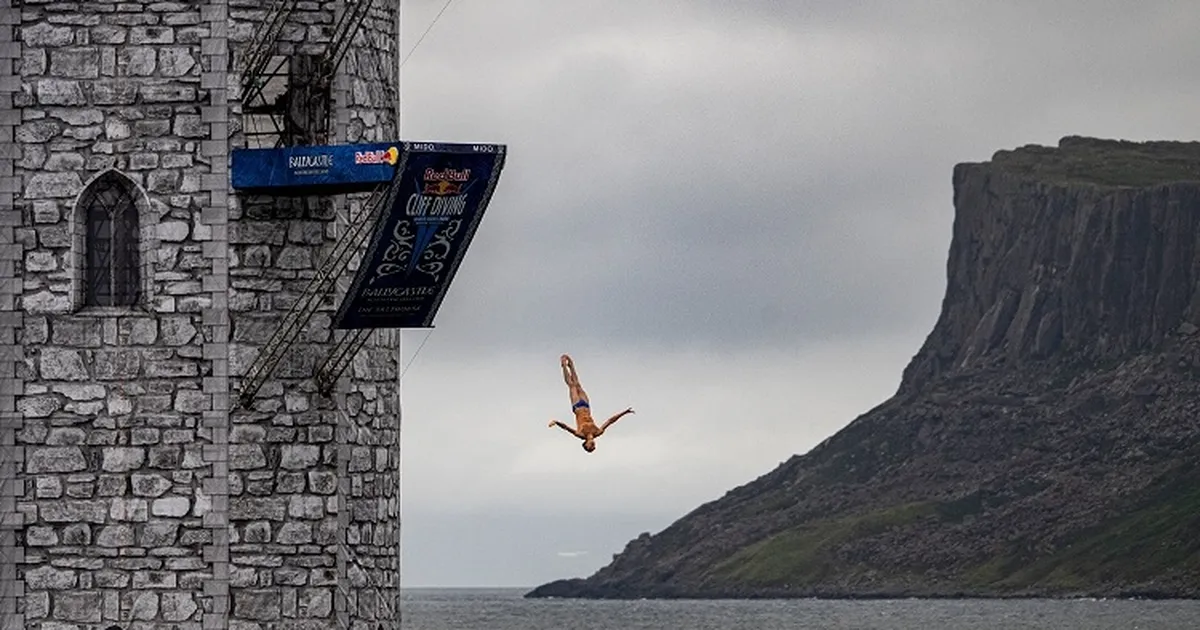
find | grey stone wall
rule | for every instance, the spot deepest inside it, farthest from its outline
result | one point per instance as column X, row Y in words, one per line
column 368, row 402
column 114, row 399
column 369, row 112
column 12, row 455
column 141, row 497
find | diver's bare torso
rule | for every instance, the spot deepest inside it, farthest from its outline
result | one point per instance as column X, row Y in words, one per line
column 585, row 426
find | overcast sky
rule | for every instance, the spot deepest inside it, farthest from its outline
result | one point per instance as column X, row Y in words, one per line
column 734, row 215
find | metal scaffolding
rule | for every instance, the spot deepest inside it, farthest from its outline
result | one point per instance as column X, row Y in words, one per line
column 294, row 93
column 300, row 114
column 310, row 299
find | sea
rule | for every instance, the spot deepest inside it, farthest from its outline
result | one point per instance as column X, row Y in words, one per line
column 505, row 609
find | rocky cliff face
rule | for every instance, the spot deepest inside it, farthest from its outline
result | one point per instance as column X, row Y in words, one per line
column 1054, row 255
column 1043, row 439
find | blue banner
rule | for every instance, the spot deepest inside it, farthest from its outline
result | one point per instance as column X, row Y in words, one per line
column 433, row 207
column 318, row 169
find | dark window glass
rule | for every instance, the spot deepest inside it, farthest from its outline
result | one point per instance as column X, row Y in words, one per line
column 113, row 277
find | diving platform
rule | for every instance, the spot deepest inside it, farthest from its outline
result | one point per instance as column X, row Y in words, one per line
column 426, row 204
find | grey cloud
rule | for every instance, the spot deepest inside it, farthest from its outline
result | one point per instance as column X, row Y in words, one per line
column 675, row 206
column 674, row 230
column 736, row 214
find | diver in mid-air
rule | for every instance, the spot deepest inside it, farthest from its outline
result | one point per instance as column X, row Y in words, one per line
column 585, row 428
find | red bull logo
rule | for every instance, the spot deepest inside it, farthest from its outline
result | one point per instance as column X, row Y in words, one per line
column 389, row 155
column 447, row 175
column 446, row 182
column 442, row 188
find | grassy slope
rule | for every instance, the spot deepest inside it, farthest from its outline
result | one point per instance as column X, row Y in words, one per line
column 1146, row 541
column 806, row 555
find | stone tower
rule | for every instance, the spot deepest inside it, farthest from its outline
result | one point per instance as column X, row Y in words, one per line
column 135, row 291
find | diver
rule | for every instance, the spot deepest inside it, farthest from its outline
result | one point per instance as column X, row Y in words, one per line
column 585, row 428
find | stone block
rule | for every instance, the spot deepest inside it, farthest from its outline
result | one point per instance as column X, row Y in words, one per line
column 258, row 605
column 117, row 364
column 140, row 35
column 34, row 406
column 215, row 283
column 76, row 333
column 299, row 456
column 115, row 536
column 75, row 63
column 60, row 92
column 53, row 185
column 123, row 459
column 213, row 13
column 62, row 364
column 46, row 577
column 191, row 401
column 306, row 507
column 66, row 436
column 55, row 459
column 175, row 61
column 129, row 510
column 168, row 457
column 171, row 506
column 214, row 148
column 114, row 92
column 155, row 579
column 159, row 534
column 178, row 607
column 75, row 511
column 47, row 35
column 246, row 457
column 170, row 93
column 143, row 606
column 150, row 485
column 108, row 34
column 251, row 508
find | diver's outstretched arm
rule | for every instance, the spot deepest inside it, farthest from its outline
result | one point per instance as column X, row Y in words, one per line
column 613, row 419
column 564, row 427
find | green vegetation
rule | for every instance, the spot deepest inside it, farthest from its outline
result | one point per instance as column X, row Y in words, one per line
column 956, row 511
column 1105, row 163
column 1143, row 543
column 806, row 554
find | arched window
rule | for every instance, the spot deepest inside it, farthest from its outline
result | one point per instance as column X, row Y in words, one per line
column 111, row 261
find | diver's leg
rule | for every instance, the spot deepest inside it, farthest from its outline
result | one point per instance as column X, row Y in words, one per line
column 568, row 368
column 578, row 395
column 574, row 389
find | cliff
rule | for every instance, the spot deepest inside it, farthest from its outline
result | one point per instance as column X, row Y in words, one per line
column 1043, row 440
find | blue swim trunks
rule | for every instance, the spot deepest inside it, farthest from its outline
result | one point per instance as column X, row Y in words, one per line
column 582, row 403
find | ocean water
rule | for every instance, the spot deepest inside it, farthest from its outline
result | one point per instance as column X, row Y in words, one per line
column 504, row 609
